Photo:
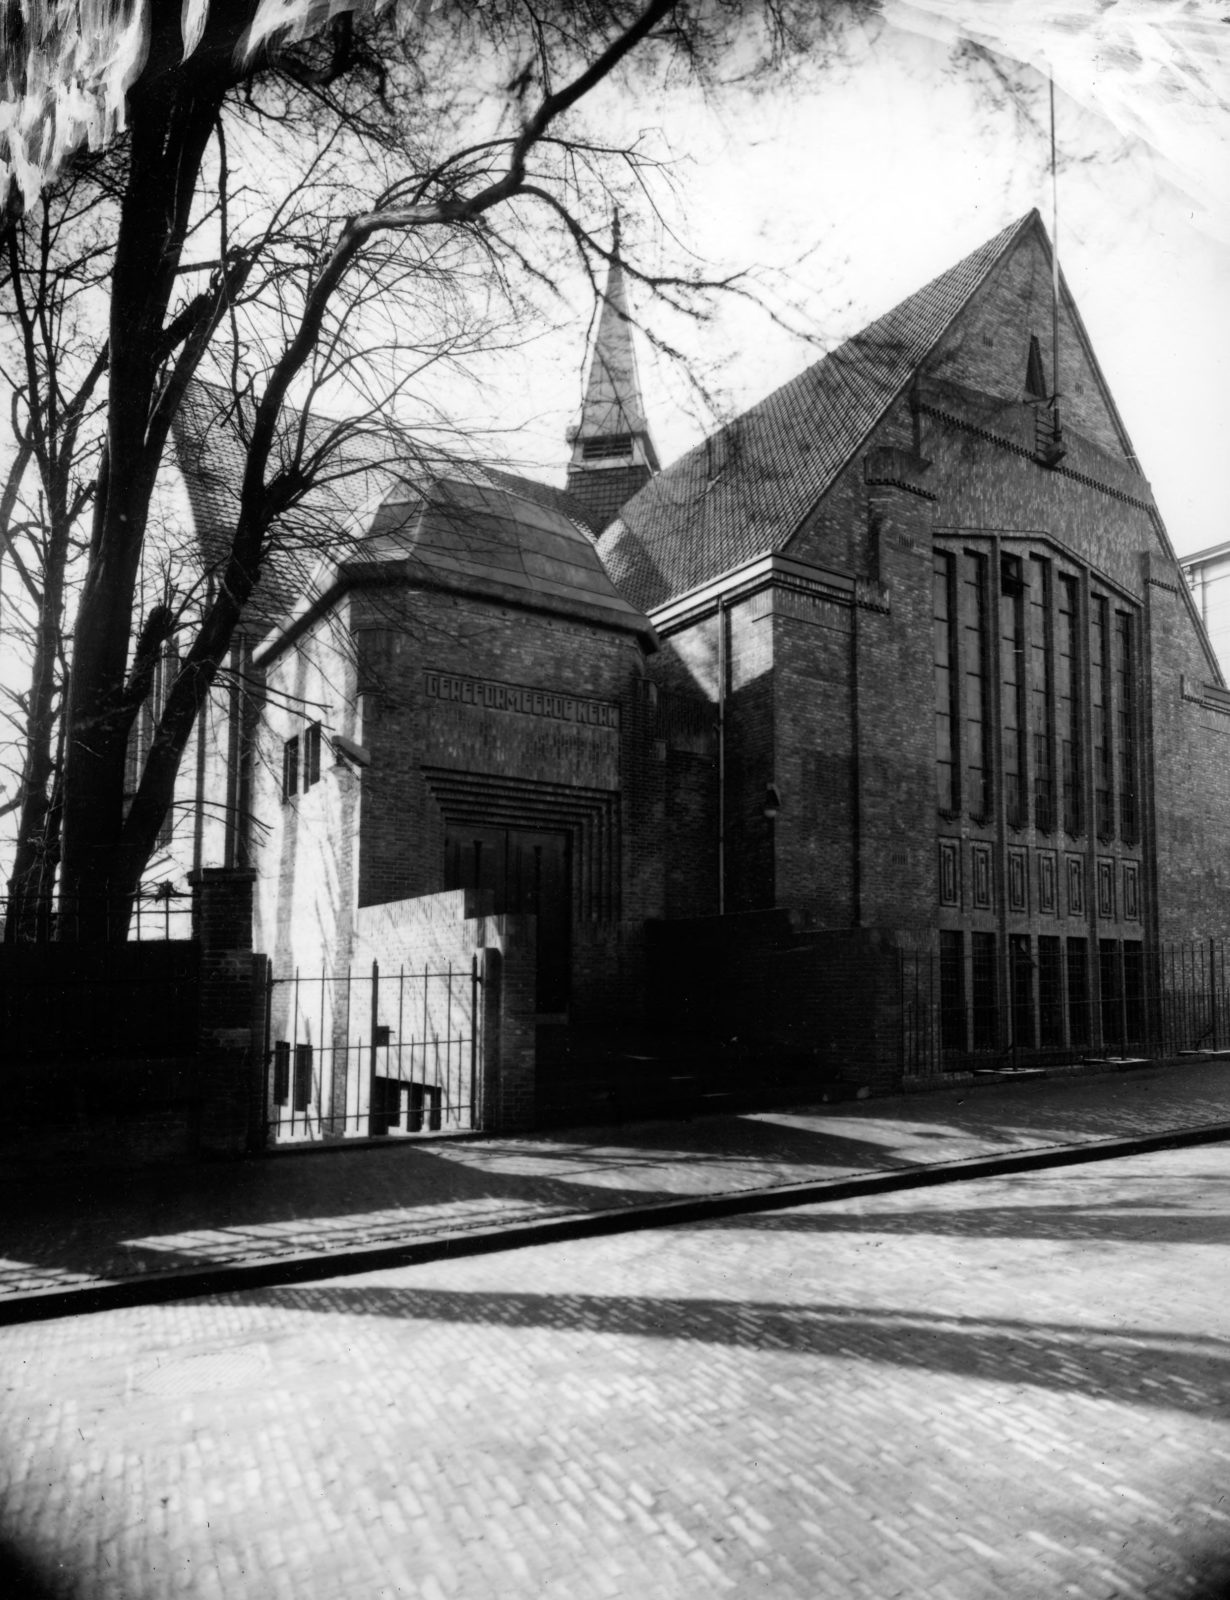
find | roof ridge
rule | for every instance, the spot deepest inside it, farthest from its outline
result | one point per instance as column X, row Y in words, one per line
column 816, row 421
column 1002, row 239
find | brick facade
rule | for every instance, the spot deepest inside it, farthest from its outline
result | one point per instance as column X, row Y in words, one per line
column 831, row 697
column 779, row 751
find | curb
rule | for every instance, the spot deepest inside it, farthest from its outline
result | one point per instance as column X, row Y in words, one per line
column 190, row 1282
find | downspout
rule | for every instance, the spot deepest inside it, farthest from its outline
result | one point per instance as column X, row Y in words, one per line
column 198, row 820
column 721, row 720
column 230, row 856
column 202, row 725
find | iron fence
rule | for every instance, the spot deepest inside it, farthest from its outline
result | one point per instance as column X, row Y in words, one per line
column 976, row 1001
column 1194, row 998
column 374, row 1055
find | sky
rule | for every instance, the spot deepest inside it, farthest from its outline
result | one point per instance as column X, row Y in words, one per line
column 870, row 177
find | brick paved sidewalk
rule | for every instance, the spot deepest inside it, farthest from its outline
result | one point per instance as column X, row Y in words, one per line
column 96, row 1238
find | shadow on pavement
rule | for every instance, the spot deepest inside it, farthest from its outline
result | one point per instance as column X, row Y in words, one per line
column 132, row 1224
column 125, row 1225
column 1116, row 1222
column 1181, row 1373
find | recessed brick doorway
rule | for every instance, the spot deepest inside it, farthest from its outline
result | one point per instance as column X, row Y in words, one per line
column 518, row 871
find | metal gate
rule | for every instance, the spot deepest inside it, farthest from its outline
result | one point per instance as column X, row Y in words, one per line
column 374, row 1055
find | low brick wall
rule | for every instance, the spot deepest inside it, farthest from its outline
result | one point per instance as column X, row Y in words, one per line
column 183, row 1078
column 435, row 933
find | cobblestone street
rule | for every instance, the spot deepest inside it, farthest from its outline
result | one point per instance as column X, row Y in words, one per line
column 1017, row 1386
column 139, row 1226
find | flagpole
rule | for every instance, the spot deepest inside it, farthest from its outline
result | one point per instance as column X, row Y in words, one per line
column 1054, row 268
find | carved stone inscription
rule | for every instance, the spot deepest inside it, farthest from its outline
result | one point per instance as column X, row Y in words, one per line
column 512, row 697
column 484, row 726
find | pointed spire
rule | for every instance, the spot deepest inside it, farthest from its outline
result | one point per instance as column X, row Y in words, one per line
column 612, row 431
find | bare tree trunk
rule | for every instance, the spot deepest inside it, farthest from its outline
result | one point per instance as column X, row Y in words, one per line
column 170, row 130
column 33, row 859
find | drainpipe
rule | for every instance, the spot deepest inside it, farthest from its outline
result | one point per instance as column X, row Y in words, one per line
column 721, row 676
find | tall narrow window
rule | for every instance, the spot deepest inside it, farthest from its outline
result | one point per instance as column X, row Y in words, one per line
column 1021, row 981
column 1078, row 992
column 1050, row 992
column 1100, row 706
column 1111, row 977
column 1041, row 696
column 947, row 780
column 952, row 990
column 1134, row 990
column 972, row 605
column 984, row 991
column 1068, row 701
column 311, row 755
column 290, row 769
column 1125, row 724
column 1012, row 688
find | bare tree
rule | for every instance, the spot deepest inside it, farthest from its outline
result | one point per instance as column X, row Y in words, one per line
column 53, row 260
column 285, row 189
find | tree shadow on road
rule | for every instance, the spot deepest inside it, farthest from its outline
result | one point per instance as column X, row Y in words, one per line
column 124, row 1224
column 1147, row 1220
column 131, row 1224
column 1174, row 1372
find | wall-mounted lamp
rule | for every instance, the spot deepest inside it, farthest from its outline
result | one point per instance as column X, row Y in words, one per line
column 772, row 801
column 348, row 751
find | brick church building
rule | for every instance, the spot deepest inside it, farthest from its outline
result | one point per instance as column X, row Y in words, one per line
column 877, row 737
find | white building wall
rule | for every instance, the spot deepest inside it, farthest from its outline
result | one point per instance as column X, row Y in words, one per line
column 305, row 846
column 1209, row 577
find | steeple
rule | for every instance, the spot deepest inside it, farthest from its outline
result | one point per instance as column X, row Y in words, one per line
column 612, row 453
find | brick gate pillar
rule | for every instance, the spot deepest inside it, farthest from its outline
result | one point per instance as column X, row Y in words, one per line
column 230, row 1040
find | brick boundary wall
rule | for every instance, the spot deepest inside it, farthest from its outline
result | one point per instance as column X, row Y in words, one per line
column 231, row 1039
column 108, row 1107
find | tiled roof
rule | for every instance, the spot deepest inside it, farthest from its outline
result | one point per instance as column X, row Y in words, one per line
column 365, row 469
column 486, row 539
column 543, row 494
column 209, row 445
column 745, row 490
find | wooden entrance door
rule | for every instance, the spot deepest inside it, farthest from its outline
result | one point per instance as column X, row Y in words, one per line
column 515, row 870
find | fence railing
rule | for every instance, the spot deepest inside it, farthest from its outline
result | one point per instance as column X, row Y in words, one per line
column 158, row 912
column 1031, row 1001
column 373, row 1055
column 1194, row 996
